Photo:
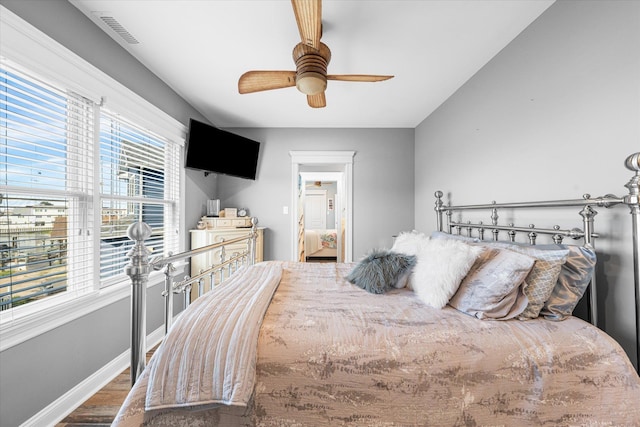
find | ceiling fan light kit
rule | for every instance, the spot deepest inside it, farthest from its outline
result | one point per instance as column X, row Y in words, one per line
column 311, row 83
column 311, row 58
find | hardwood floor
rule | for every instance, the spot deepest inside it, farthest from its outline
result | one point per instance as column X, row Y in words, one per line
column 101, row 408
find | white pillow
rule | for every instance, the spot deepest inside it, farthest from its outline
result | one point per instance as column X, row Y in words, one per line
column 409, row 242
column 441, row 266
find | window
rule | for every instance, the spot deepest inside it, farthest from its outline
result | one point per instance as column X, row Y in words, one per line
column 46, row 134
column 74, row 175
column 133, row 165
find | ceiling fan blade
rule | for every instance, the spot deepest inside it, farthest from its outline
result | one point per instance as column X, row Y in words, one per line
column 256, row 81
column 309, row 19
column 317, row 101
column 358, row 77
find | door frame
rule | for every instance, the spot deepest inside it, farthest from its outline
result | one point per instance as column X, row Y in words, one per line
column 339, row 161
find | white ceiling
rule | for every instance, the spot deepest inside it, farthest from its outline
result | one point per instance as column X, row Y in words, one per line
column 201, row 47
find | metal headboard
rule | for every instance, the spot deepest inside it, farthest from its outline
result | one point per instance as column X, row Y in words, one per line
column 586, row 232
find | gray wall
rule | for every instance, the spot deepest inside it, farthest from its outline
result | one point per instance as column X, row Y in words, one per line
column 554, row 115
column 382, row 183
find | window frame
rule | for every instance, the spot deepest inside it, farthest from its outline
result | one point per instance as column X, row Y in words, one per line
column 26, row 45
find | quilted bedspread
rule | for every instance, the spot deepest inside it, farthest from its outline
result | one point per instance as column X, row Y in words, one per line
column 331, row 354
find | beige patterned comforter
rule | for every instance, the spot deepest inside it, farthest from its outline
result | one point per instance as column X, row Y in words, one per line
column 331, row 354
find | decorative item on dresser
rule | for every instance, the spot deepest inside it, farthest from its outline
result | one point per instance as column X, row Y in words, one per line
column 231, row 212
column 442, row 329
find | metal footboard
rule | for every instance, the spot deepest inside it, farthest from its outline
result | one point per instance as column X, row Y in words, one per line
column 140, row 267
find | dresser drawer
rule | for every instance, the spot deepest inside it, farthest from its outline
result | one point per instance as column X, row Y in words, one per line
column 241, row 222
column 226, row 222
column 223, row 223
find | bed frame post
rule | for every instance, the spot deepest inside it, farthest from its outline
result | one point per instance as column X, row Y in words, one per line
column 252, row 241
column 588, row 213
column 633, row 201
column 168, row 295
column 438, row 209
column 138, row 270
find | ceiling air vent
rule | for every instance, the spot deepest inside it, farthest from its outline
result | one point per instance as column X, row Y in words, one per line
column 112, row 23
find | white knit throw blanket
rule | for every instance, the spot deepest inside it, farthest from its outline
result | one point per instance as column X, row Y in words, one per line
column 209, row 355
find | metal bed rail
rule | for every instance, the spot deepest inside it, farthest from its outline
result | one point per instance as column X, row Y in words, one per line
column 587, row 233
column 140, row 267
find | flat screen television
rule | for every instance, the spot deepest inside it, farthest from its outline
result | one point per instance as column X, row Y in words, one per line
column 215, row 150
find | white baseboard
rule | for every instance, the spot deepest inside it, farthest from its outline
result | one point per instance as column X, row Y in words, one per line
column 68, row 402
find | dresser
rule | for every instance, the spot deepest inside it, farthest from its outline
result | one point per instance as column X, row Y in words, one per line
column 209, row 236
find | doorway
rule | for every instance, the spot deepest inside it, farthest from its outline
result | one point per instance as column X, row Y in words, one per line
column 321, row 221
column 311, row 167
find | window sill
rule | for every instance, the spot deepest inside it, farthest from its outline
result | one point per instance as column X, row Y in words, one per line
column 20, row 328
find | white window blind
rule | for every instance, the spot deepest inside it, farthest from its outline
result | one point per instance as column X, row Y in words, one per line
column 45, row 188
column 139, row 175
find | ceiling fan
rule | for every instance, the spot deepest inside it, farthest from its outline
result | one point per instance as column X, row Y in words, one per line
column 311, row 57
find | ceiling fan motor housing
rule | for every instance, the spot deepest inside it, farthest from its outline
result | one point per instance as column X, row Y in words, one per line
column 311, row 57
column 311, row 68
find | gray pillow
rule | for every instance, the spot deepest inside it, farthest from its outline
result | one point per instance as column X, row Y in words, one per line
column 573, row 281
column 380, row 270
column 543, row 277
column 539, row 283
column 492, row 288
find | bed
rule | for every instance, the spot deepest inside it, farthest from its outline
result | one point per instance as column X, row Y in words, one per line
column 403, row 337
column 321, row 244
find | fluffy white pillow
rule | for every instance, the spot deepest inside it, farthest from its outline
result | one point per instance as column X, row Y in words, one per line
column 409, row 242
column 441, row 266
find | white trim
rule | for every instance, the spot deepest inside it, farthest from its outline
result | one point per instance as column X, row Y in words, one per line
column 322, row 157
column 182, row 245
column 343, row 159
column 22, row 328
column 322, row 176
column 19, row 329
column 68, row 402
